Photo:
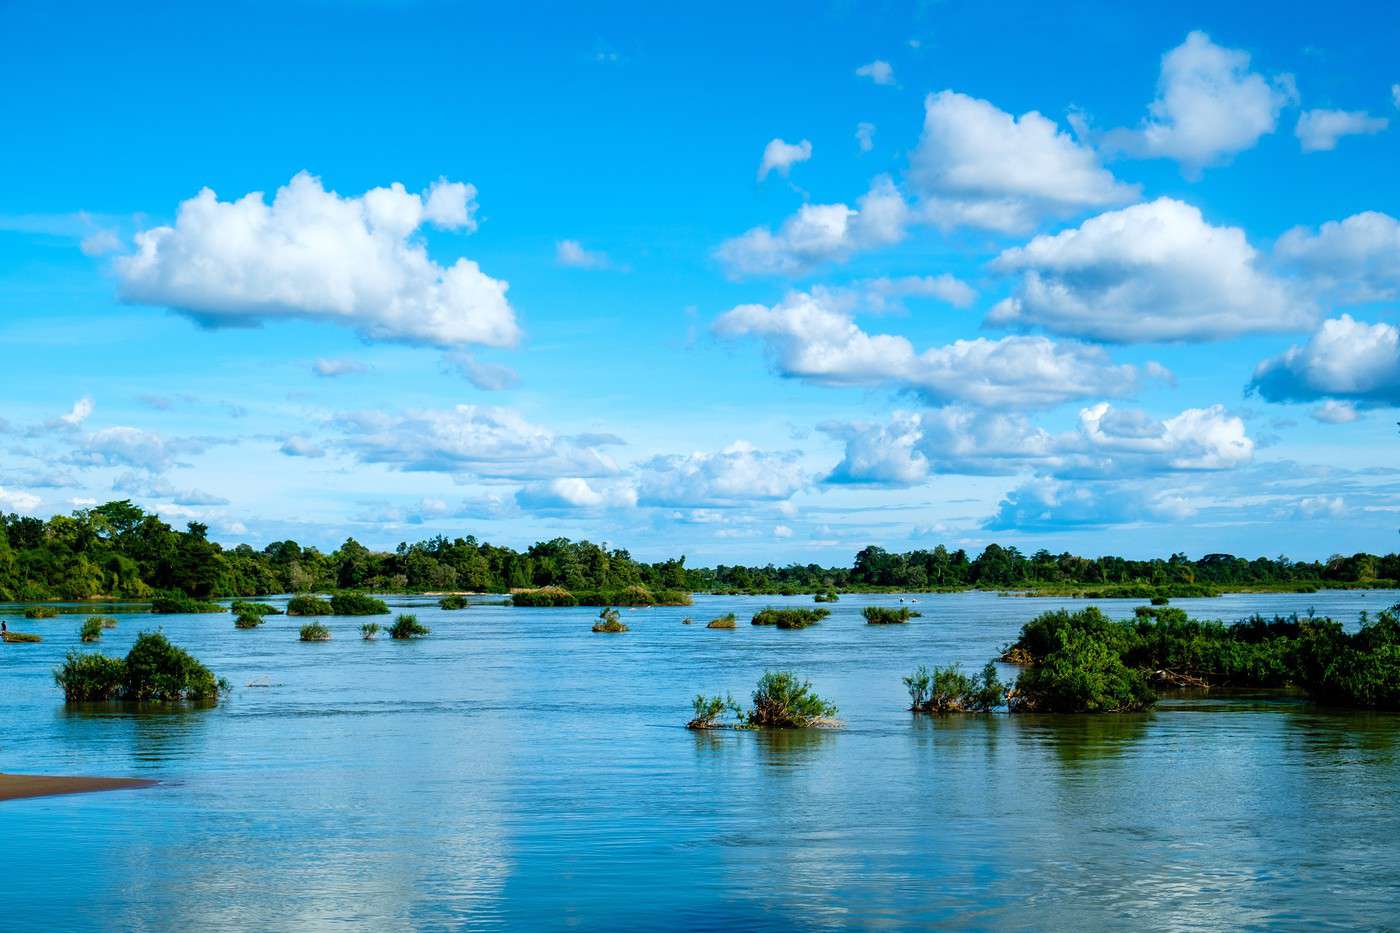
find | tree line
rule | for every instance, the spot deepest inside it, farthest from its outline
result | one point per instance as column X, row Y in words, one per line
column 120, row 550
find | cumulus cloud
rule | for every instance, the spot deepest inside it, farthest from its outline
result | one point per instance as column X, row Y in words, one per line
column 76, row 415
column 469, row 440
column 1335, row 412
column 1345, row 360
column 979, row 166
column 1320, row 507
column 740, row 474
column 331, row 368
column 808, row 339
column 314, row 254
column 883, row 293
column 878, row 71
column 134, row 484
column 298, row 446
column 865, row 136
column 130, row 447
column 569, row 493
column 18, row 500
column 780, row 157
column 1209, row 106
column 1355, row 259
column 1151, row 272
column 489, row 377
column 1047, row 504
column 1319, row 130
column 571, row 253
column 819, row 233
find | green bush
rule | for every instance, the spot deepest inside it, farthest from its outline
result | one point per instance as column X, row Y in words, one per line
column 91, row 631
column 90, row 678
column 789, row 618
column 106, row 621
column 609, row 620
column 725, row 621
column 1082, row 674
column 244, row 607
column 1160, row 600
column 406, row 627
column 308, row 606
column 357, row 604
column 544, row 597
column 369, row 630
column 1358, row 670
column 781, row 701
column 179, row 603
column 40, row 612
column 154, row 670
column 886, row 615
column 948, row 690
column 247, row 620
column 708, row 711
column 453, row 602
column 315, row 631
column 825, row 598
column 21, row 638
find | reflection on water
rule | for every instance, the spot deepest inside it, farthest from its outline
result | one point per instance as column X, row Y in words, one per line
column 513, row 770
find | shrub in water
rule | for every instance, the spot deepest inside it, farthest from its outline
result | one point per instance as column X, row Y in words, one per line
column 90, row 678
column 708, row 711
column 825, row 598
column 453, row 602
column 724, row 621
column 357, row 604
column 781, row 701
column 308, row 606
column 21, row 638
column 369, row 630
column 406, row 627
column 246, row 620
column 790, row 618
column 315, row 631
column 609, row 620
column 154, row 669
column 949, row 690
column 1082, row 674
column 40, row 612
column 887, row 615
column 1160, row 600
column 91, row 630
column 545, row 597
column 173, row 603
column 244, row 607
column 107, row 621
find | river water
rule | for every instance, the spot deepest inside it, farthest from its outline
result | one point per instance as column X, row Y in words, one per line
column 515, row 770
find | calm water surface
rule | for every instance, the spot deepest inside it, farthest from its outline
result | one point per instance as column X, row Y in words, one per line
column 516, row 770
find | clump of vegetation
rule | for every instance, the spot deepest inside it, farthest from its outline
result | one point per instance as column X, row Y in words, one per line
column 315, row 631
column 407, row 626
column 357, row 604
column 544, row 597
column 106, row 621
column 708, row 711
column 247, row 620
column 453, row 602
column 153, row 670
column 725, row 621
column 781, row 701
column 687, row 621
column 308, row 606
column 948, row 690
column 609, row 620
column 1160, row 600
column 1359, row 669
column 91, row 631
column 22, row 638
column 789, row 618
column 827, row 597
column 888, row 615
column 369, row 630
column 179, row 603
column 244, row 607
column 634, row 595
column 40, row 612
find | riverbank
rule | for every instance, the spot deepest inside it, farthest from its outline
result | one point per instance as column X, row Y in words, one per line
column 20, row 786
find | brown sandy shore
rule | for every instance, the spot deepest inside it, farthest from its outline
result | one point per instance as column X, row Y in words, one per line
column 16, row 786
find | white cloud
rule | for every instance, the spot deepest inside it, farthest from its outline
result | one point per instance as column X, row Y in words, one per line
column 809, row 339
column 782, row 531
column 133, row 484
column 1047, row 504
column 1345, row 359
column 1334, row 412
column 331, row 368
column 571, row 253
column 1319, row 130
column 865, row 136
column 100, row 243
column 79, row 413
column 298, row 446
column 878, row 71
column 780, row 157
column 470, row 440
column 1321, row 507
column 1153, row 271
column 819, row 233
column 1355, row 259
column 1209, row 107
column 740, row 474
column 979, row 166
column 314, row 254
column 18, row 500
column 489, row 377
column 572, row 492
column 882, row 293
column 127, row 446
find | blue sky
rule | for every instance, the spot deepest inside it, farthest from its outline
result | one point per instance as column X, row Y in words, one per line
column 745, row 283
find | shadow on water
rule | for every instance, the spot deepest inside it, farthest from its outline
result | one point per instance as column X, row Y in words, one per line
column 787, row 748
column 158, row 731
column 1087, row 738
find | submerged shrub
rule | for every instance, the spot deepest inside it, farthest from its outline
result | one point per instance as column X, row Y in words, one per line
column 887, row 615
column 1082, row 674
column 789, row 618
column 406, row 627
column 357, row 604
column 315, row 631
column 1160, row 600
column 246, row 620
column 244, row 607
column 948, row 690
column 179, row 603
column 154, row 669
column 781, row 701
column 40, row 612
column 369, row 630
column 308, row 606
column 107, row 621
column 544, row 597
column 20, row 638
column 609, row 620
column 91, row 631
column 725, row 621
column 708, row 711
column 829, row 597
column 453, row 602
column 89, row 678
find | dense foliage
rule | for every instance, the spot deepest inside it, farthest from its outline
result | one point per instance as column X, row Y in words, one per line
column 789, row 618
column 453, row 602
column 781, row 701
column 154, row 669
column 948, row 690
column 119, row 550
column 308, row 606
column 315, row 631
column 609, row 620
column 405, row 627
column 357, row 604
column 888, row 615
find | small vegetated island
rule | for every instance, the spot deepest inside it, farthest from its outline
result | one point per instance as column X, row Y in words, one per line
column 609, row 620
column 789, row 618
column 154, row 670
column 780, row 701
column 888, row 615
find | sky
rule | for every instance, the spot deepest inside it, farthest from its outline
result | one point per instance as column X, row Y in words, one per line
column 746, row 283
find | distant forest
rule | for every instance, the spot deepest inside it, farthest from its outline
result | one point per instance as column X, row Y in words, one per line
column 119, row 550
